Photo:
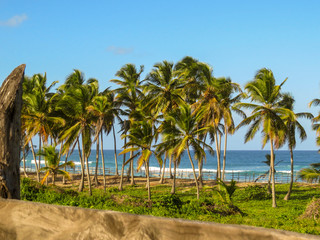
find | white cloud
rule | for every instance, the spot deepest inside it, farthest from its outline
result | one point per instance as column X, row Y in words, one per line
column 119, row 50
column 14, row 21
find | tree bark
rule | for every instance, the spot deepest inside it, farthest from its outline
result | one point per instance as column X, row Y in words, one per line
column 224, row 151
column 274, row 203
column 170, row 164
column 85, row 157
column 96, row 182
column 218, row 176
column 81, row 185
column 287, row 197
column 35, row 161
column 194, row 173
column 173, row 190
column 24, row 161
column 132, row 169
column 122, row 168
column 148, row 181
column 10, row 133
column 115, row 151
column 103, row 164
column 163, row 170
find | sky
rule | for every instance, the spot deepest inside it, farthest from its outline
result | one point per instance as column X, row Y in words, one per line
column 236, row 38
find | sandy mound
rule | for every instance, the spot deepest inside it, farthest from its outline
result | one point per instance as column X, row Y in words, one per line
column 36, row 221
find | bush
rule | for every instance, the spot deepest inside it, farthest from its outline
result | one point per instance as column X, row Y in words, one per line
column 167, row 205
column 253, row 193
column 312, row 210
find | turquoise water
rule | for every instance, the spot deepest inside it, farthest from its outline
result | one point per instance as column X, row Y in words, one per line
column 240, row 165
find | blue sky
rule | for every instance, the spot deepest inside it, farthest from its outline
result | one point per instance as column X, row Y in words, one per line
column 236, row 38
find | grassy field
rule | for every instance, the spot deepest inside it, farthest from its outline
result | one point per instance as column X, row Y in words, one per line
column 250, row 205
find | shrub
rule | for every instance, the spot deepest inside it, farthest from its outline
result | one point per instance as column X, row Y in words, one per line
column 312, row 210
column 253, row 193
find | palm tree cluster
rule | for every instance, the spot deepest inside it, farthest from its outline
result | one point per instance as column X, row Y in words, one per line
column 176, row 109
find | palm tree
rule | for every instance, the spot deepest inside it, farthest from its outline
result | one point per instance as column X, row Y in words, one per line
column 292, row 126
column 129, row 94
column 316, row 120
column 37, row 113
column 141, row 137
column 266, row 114
column 161, row 82
column 180, row 130
column 74, row 102
column 311, row 174
column 226, row 90
column 52, row 159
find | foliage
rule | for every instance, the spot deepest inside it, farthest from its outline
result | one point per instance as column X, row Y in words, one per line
column 132, row 199
column 313, row 210
column 311, row 174
column 226, row 191
column 253, row 193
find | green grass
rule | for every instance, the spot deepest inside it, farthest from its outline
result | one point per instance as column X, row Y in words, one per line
column 254, row 203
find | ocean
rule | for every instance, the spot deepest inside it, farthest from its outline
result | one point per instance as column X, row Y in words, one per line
column 242, row 166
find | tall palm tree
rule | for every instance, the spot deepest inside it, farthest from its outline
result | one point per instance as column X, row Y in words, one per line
column 38, row 117
column 53, row 166
column 129, row 94
column 266, row 113
column 293, row 125
column 162, row 83
column 180, row 130
column 74, row 102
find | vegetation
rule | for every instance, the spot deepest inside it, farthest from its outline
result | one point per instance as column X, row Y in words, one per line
column 178, row 108
column 252, row 203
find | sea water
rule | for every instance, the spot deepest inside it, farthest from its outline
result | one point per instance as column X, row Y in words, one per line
column 240, row 165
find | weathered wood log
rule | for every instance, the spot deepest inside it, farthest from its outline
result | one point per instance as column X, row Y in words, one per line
column 10, row 133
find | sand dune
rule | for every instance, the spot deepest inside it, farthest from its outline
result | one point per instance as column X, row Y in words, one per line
column 35, row 221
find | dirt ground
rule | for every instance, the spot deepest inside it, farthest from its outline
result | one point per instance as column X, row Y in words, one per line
column 114, row 181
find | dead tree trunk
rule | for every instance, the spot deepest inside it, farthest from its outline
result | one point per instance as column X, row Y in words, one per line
column 10, row 133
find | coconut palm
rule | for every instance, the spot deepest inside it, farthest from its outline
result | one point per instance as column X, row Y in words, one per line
column 53, row 166
column 266, row 114
column 311, row 174
column 74, row 102
column 37, row 112
column 293, row 125
column 180, row 130
column 316, row 120
column 129, row 94
column 161, row 82
column 141, row 137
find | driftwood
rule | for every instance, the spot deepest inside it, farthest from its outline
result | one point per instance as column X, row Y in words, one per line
column 10, row 133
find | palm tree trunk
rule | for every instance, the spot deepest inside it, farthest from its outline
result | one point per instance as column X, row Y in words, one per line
column 200, row 164
column 132, row 169
column 53, row 179
column 274, row 204
column 96, row 181
column 163, row 170
column 35, row 161
column 224, row 151
column 218, row 176
column 269, row 181
column 85, row 157
column 24, row 161
column 170, row 164
column 287, row 197
column 81, row 185
column 103, row 164
column 122, row 168
column 148, row 181
column 65, row 168
column 194, row 172
column 39, row 159
column 115, row 151
column 173, row 190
